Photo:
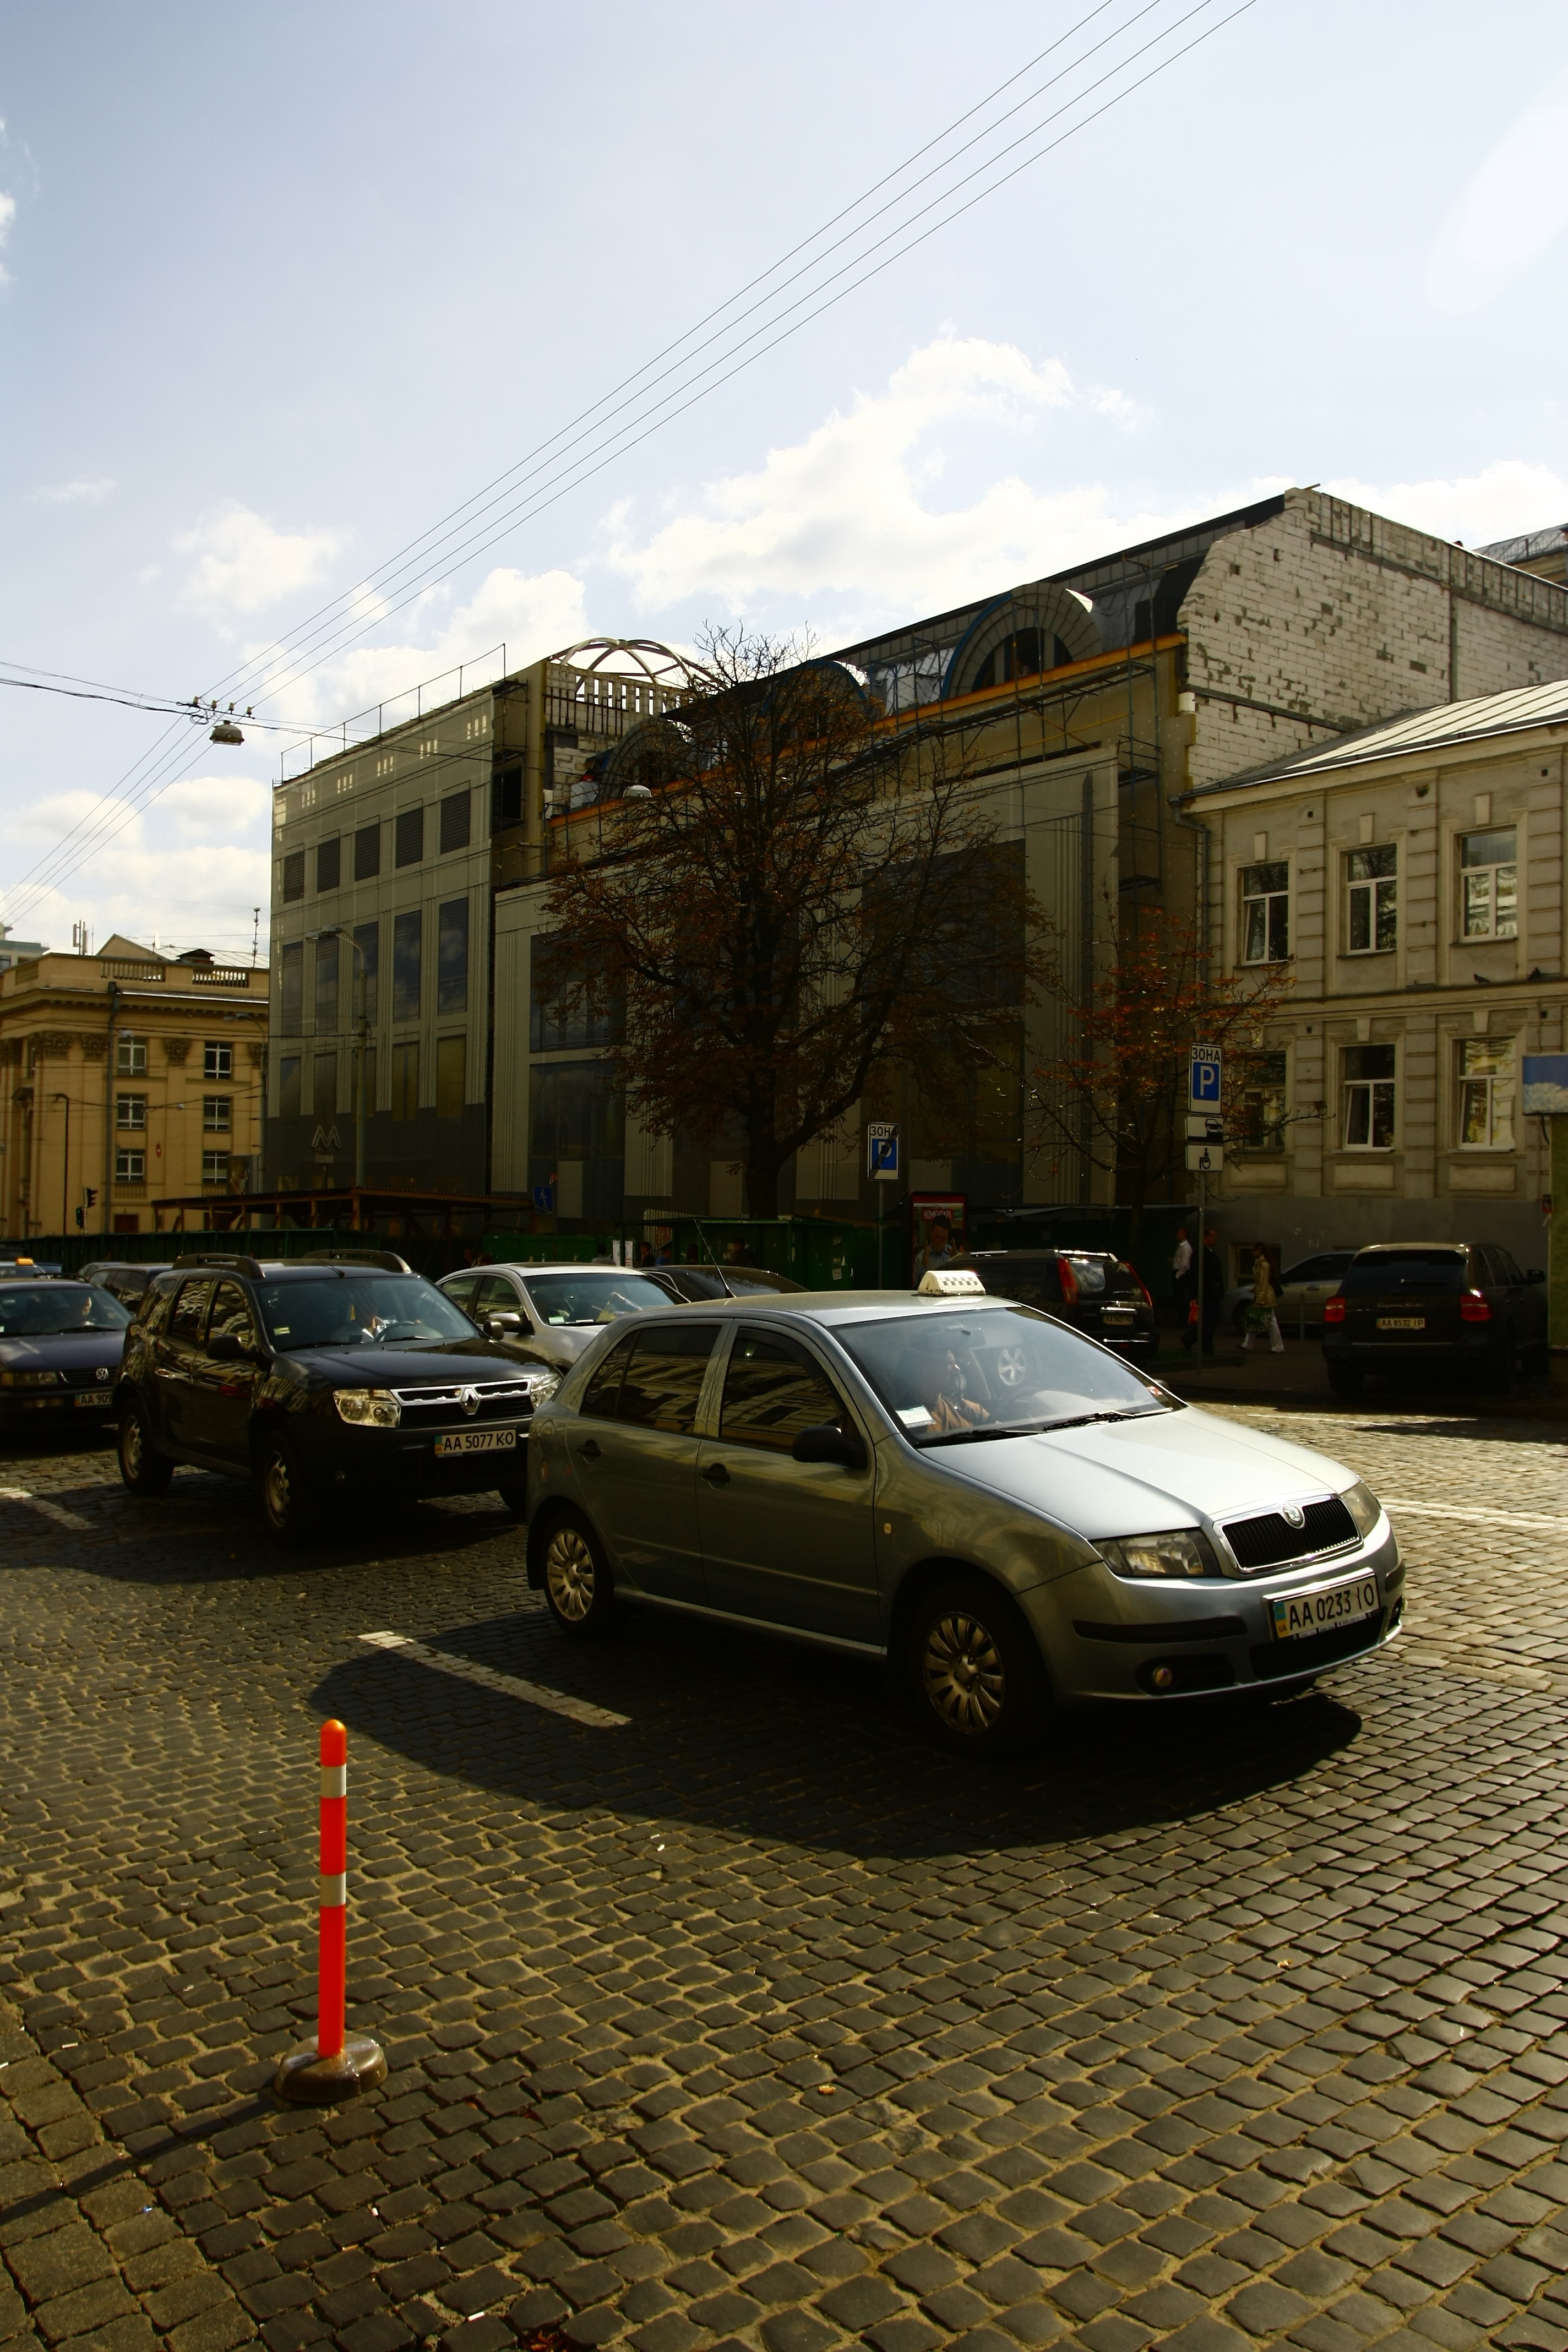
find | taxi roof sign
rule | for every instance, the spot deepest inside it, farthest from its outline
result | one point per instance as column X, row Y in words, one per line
column 950, row 1282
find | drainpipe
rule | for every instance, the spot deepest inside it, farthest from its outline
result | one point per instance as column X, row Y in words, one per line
column 108, row 1110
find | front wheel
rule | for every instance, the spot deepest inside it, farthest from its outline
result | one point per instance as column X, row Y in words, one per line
column 578, row 1586
column 144, row 1470
column 976, row 1673
column 291, row 1513
column 1346, row 1379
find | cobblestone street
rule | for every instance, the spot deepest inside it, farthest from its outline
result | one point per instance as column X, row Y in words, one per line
column 721, row 2010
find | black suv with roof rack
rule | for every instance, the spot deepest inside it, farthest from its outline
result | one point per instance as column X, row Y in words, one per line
column 339, row 1376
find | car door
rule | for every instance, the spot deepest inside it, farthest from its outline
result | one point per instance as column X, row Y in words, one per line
column 223, row 1386
column 1510, row 1299
column 176, row 1356
column 634, row 1456
column 786, row 1542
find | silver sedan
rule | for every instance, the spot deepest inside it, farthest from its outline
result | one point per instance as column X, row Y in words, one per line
column 1015, row 1516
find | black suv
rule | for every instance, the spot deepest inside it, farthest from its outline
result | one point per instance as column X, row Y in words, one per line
column 339, row 1377
column 1405, row 1310
column 1095, row 1292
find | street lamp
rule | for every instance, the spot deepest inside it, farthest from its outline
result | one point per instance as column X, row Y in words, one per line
column 65, row 1176
column 338, row 932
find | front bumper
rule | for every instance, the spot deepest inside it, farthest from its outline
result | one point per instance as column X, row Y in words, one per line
column 401, row 1466
column 20, row 1408
column 1109, row 1637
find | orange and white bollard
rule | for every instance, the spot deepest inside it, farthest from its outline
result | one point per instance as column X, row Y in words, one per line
column 337, row 2063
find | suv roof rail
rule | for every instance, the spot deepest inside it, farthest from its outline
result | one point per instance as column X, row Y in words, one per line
column 234, row 1264
column 388, row 1260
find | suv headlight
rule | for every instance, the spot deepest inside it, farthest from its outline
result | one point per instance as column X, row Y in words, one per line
column 1363, row 1507
column 1183, row 1551
column 541, row 1386
column 368, row 1408
column 29, row 1379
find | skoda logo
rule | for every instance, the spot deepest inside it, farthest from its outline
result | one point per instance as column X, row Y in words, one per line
column 1294, row 1515
column 101, row 1373
column 470, row 1401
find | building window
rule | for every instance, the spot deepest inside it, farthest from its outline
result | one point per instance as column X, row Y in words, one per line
column 405, row 1080
column 1488, row 885
column 452, row 956
column 1485, row 1097
column 326, row 987
column 451, row 1076
column 1369, row 1099
column 368, row 970
column 330, row 863
column 291, row 988
column 326, row 1089
column 131, row 1110
column 215, row 1168
column 293, row 876
column 1372, row 877
column 217, row 1059
column 1262, row 1104
column 408, row 845
column 289, row 1087
column 405, row 939
column 129, row 1167
column 1265, row 913
column 456, row 821
column 565, row 1009
column 367, row 853
column 505, row 799
column 217, row 1114
column 130, row 1056
column 368, row 1058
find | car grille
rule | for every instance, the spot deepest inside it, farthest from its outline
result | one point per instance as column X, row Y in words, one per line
column 1269, row 1539
column 498, row 1400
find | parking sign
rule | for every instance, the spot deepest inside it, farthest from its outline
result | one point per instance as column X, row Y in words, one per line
column 882, row 1151
column 1205, row 1077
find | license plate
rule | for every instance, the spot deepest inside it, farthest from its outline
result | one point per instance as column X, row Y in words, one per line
column 475, row 1441
column 1319, row 1613
column 1120, row 1313
column 99, row 1397
column 1402, row 1322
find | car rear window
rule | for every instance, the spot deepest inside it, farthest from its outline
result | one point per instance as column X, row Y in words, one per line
column 1377, row 1272
column 1319, row 1269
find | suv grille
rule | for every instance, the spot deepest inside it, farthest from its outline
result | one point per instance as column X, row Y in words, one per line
column 1267, row 1540
column 498, row 1399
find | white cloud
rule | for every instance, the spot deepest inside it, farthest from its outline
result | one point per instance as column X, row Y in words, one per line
column 190, row 869
column 70, row 494
column 847, row 513
column 1505, row 499
column 7, row 214
column 244, row 563
column 1512, row 209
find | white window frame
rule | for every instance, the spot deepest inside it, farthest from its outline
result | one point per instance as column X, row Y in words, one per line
column 130, row 1113
column 130, row 1056
column 130, row 1167
column 1465, row 874
column 217, row 1058
column 1267, row 900
column 1379, row 890
column 1371, row 1088
column 1484, row 1087
column 215, row 1167
column 217, row 1115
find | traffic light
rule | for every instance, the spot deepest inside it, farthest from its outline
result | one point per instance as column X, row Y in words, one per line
column 91, row 1196
column 80, row 1217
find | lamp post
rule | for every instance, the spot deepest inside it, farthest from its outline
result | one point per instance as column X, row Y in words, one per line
column 337, row 931
column 66, row 1170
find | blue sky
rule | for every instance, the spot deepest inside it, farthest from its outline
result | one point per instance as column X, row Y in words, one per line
column 282, row 285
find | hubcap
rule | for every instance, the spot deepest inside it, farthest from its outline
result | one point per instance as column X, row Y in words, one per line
column 133, row 1444
column 569, row 1574
column 277, row 1489
column 964, row 1678
column 1012, row 1363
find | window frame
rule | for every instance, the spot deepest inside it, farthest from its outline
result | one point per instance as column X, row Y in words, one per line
column 1349, row 1087
column 211, row 1173
column 1268, row 900
column 1490, row 1082
column 1463, row 935
column 129, row 1114
column 212, row 1123
column 130, row 1056
column 1372, row 886
column 217, row 1058
column 790, row 1343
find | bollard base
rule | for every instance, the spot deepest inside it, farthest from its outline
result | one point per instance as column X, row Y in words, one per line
column 310, row 2080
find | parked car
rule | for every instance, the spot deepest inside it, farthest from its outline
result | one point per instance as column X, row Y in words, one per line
column 1406, row 1309
column 1016, row 1516
column 60, row 1345
column 685, row 1282
column 128, row 1282
column 23, row 1268
column 1302, row 1288
column 1096, row 1292
column 550, row 1314
column 332, row 1382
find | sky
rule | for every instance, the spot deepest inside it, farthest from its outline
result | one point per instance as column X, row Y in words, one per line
column 281, row 286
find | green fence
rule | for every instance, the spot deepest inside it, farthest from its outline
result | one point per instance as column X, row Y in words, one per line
column 70, row 1252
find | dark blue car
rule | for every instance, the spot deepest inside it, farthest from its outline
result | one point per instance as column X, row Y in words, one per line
column 60, row 1344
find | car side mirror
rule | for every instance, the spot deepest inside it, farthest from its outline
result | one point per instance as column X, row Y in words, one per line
column 499, row 1325
column 1534, row 1273
column 827, row 1444
column 226, row 1347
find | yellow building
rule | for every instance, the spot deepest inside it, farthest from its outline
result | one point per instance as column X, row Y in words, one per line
column 127, row 1080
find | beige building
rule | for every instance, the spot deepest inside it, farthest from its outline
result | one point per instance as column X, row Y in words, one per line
column 1411, row 876
column 127, row 1078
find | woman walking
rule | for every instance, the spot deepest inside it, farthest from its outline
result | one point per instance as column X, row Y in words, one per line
column 1261, row 1316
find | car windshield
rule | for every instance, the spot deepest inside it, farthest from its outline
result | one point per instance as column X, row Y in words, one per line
column 36, row 1307
column 1380, row 1271
column 999, row 1372
column 592, row 1297
column 340, row 1310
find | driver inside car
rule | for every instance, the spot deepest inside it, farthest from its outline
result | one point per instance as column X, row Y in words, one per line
column 934, row 1376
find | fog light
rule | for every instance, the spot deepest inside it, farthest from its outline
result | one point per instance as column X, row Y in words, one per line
column 1162, row 1677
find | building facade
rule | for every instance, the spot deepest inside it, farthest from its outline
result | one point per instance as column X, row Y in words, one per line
column 127, row 1078
column 1411, row 879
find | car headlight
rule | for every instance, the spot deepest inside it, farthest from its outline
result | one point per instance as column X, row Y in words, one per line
column 1181, row 1551
column 368, row 1408
column 1363, row 1507
column 541, row 1386
column 29, row 1379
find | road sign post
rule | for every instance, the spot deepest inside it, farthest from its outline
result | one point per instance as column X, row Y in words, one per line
column 1205, row 1099
column 883, row 1152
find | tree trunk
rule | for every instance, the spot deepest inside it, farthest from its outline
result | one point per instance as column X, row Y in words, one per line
column 762, row 1181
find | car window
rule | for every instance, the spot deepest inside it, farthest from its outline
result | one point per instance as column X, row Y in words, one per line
column 36, row 1309
column 185, row 1323
column 347, row 1311
column 1507, row 1266
column 231, row 1313
column 1000, row 1370
column 756, row 1282
column 497, row 1296
column 1377, row 1272
column 591, row 1296
column 152, row 1312
column 772, row 1390
column 1089, row 1272
column 664, row 1377
column 1316, row 1269
column 695, row 1282
column 1035, row 1280
column 462, row 1287
column 603, row 1394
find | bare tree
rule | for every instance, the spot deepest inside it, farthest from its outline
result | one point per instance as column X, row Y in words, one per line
column 806, row 893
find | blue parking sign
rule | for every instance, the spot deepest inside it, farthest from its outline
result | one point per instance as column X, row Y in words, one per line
column 1205, row 1077
column 882, row 1151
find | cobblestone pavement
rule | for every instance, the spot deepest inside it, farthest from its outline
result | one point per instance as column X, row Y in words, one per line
column 748, row 2020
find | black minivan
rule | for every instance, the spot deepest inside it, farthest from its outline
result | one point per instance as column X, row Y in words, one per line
column 1406, row 1309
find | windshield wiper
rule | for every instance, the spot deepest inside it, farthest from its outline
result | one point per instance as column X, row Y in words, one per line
column 1034, row 1428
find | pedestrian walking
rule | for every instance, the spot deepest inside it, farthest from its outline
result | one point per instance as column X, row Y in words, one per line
column 1262, row 1314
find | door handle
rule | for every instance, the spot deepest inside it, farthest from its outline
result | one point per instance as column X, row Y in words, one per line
column 716, row 1475
column 589, row 1453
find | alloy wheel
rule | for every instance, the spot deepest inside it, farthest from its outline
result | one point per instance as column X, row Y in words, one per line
column 1012, row 1366
column 570, row 1574
column 277, row 1488
column 132, row 1444
column 964, row 1678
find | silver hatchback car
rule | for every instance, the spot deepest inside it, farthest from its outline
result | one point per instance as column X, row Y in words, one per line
column 1013, row 1515
column 550, row 1314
